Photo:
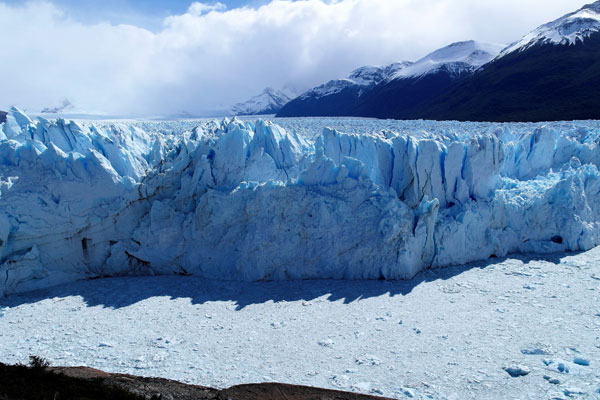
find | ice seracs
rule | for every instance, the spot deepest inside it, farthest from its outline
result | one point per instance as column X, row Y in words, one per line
column 254, row 200
column 567, row 30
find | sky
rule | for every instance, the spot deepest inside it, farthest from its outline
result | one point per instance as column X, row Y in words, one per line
column 147, row 14
column 153, row 57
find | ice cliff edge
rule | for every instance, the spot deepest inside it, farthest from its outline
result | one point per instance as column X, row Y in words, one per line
column 251, row 201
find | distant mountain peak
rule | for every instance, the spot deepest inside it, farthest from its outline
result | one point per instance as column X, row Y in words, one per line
column 368, row 75
column 456, row 57
column 270, row 91
column 359, row 92
column 361, row 78
column 595, row 6
column 269, row 101
column 472, row 81
column 566, row 30
column 64, row 105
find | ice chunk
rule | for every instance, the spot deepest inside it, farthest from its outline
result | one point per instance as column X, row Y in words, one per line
column 517, row 370
column 581, row 361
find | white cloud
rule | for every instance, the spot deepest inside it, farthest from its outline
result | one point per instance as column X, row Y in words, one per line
column 210, row 57
column 197, row 8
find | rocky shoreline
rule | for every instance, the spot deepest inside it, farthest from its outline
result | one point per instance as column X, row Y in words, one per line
column 58, row 383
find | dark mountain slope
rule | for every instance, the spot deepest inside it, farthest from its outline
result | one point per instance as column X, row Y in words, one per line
column 334, row 105
column 545, row 82
column 395, row 91
column 405, row 98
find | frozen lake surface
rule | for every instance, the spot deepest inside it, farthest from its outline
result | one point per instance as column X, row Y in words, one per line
column 446, row 334
column 301, row 201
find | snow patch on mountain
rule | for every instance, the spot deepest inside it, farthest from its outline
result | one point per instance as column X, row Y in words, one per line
column 566, row 30
column 269, row 101
column 360, row 79
column 255, row 201
column 455, row 58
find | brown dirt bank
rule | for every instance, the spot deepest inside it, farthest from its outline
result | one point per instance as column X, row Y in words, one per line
column 59, row 383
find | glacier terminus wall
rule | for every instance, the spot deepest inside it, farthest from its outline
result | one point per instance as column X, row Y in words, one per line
column 290, row 199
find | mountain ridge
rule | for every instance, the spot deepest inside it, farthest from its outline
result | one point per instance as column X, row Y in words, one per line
column 544, row 82
column 552, row 73
column 561, row 30
column 346, row 97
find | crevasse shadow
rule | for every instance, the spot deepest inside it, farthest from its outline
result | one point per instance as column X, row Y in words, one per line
column 118, row 292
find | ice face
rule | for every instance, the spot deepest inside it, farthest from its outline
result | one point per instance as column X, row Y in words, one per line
column 260, row 201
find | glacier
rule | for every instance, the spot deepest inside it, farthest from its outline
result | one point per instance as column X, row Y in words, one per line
column 287, row 199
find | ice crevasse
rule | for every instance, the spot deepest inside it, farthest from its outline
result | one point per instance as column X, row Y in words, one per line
column 250, row 201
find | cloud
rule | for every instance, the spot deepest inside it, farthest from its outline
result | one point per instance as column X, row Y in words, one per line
column 197, row 8
column 211, row 57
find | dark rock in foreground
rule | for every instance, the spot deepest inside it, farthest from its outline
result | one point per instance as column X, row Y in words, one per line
column 2, row 116
column 21, row 382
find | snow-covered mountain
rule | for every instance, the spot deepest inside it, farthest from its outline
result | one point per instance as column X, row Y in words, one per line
column 338, row 97
column 360, row 80
column 552, row 73
column 456, row 59
column 64, row 105
column 269, row 101
column 566, row 30
column 412, row 88
column 399, row 87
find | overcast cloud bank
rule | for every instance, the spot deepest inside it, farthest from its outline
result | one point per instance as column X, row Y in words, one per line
column 211, row 57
